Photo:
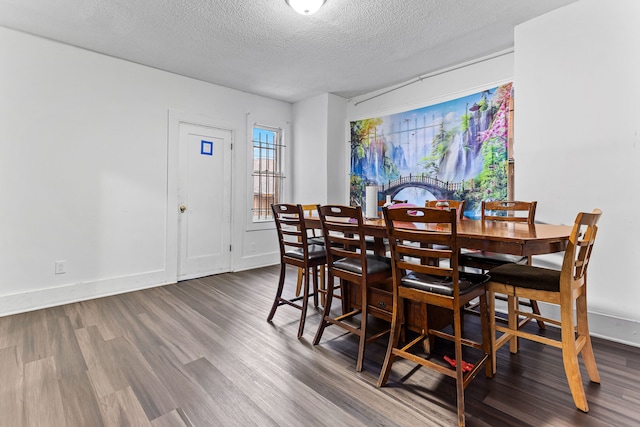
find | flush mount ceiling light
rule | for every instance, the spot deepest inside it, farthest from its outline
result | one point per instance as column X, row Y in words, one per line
column 305, row 7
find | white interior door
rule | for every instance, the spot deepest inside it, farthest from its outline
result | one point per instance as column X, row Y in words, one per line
column 204, row 194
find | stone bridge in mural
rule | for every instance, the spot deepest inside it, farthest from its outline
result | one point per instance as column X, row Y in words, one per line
column 440, row 189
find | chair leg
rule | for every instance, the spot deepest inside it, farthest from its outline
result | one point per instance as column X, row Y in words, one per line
column 457, row 330
column 491, row 306
column 363, row 327
column 305, row 303
column 394, row 339
column 315, row 286
column 327, row 310
column 487, row 337
column 322, row 285
column 430, row 339
column 301, row 274
column 299, row 281
column 587, row 350
column 570, row 358
column 276, row 301
column 536, row 310
column 534, row 304
column 512, row 304
column 345, row 290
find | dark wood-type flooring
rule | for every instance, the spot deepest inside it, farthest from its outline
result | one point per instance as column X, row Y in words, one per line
column 200, row 353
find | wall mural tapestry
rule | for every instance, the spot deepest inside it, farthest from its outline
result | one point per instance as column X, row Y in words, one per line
column 454, row 150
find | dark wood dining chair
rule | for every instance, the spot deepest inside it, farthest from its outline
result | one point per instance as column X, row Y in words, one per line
column 566, row 288
column 358, row 271
column 504, row 211
column 296, row 251
column 416, row 236
column 371, row 243
column 458, row 205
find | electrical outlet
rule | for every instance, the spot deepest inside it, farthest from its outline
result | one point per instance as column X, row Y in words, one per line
column 252, row 247
column 61, row 267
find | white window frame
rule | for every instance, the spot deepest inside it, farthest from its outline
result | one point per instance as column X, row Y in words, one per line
column 273, row 182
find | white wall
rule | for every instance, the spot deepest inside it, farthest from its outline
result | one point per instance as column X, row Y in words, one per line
column 310, row 152
column 576, row 140
column 337, row 152
column 460, row 81
column 320, row 153
column 83, row 171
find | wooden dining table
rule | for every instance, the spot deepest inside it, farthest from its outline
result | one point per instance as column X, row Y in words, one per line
column 494, row 236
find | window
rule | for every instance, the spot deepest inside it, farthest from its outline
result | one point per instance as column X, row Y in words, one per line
column 267, row 171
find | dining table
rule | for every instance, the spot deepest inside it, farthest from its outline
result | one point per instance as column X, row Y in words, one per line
column 514, row 238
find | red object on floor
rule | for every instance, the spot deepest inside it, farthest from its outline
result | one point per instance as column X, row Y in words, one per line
column 466, row 367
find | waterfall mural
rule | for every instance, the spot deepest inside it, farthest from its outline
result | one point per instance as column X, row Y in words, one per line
column 454, row 150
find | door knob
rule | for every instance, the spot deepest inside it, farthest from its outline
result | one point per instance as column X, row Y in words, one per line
column 183, row 208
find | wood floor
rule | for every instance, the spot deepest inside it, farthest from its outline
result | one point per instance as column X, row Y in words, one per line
column 200, row 353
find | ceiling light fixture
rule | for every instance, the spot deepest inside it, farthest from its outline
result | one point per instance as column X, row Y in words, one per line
column 305, row 7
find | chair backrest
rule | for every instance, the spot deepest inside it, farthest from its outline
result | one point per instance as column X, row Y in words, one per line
column 458, row 205
column 310, row 211
column 343, row 229
column 513, row 211
column 292, row 233
column 578, row 252
column 381, row 203
column 418, row 236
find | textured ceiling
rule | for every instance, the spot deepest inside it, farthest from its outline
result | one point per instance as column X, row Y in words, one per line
column 349, row 47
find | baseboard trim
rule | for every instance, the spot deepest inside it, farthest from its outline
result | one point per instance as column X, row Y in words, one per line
column 76, row 292
column 605, row 326
column 52, row 297
column 257, row 261
column 624, row 331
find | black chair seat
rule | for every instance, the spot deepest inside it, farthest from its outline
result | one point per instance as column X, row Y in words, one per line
column 319, row 240
column 527, row 276
column 375, row 264
column 314, row 252
column 443, row 285
column 490, row 258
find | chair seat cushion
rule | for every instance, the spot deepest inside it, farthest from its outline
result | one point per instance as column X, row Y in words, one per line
column 318, row 240
column 375, row 264
column 443, row 285
column 315, row 252
column 527, row 276
column 490, row 258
